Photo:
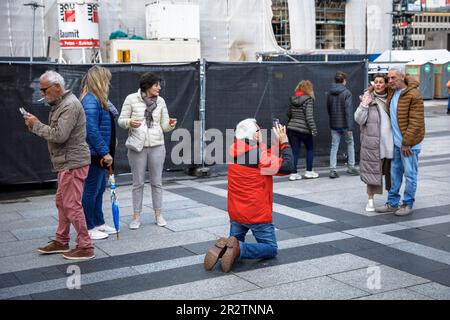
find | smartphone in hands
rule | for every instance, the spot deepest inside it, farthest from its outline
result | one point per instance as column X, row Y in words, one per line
column 275, row 122
column 23, row 112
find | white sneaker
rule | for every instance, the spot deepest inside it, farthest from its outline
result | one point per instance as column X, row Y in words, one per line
column 160, row 221
column 311, row 175
column 95, row 234
column 106, row 229
column 295, row 176
column 370, row 207
column 135, row 224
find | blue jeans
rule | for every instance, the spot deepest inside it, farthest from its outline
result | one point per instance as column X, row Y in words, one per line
column 448, row 106
column 335, row 141
column 295, row 140
column 400, row 166
column 266, row 248
column 94, row 187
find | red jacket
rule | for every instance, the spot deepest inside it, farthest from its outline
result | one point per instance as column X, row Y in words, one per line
column 250, row 183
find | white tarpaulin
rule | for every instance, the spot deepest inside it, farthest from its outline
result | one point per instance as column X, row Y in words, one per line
column 355, row 28
column 379, row 25
column 302, row 20
column 230, row 29
column 236, row 29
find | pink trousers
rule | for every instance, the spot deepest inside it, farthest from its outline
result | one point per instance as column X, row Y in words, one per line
column 70, row 209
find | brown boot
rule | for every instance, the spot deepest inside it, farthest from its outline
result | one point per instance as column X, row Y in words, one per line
column 215, row 253
column 233, row 251
column 54, row 247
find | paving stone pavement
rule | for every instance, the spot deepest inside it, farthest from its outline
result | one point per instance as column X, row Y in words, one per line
column 329, row 246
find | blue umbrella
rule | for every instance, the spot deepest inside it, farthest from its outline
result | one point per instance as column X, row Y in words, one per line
column 114, row 202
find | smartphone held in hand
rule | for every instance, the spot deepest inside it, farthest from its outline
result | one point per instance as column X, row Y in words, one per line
column 275, row 122
column 23, row 111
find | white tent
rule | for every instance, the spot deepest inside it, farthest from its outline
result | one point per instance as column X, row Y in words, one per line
column 414, row 55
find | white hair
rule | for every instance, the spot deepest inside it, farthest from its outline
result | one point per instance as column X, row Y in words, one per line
column 399, row 69
column 246, row 129
column 53, row 77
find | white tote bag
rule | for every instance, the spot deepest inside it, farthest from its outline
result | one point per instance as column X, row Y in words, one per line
column 136, row 138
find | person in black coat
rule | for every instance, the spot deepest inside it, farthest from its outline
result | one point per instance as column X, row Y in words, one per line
column 340, row 111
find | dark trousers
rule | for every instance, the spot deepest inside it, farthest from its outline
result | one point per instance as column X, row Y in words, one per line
column 92, row 200
column 295, row 139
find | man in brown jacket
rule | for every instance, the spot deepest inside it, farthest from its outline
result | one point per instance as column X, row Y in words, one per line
column 70, row 157
column 406, row 109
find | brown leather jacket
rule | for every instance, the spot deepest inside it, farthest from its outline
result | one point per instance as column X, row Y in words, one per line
column 410, row 113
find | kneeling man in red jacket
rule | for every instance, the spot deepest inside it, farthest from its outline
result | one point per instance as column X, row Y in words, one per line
column 250, row 195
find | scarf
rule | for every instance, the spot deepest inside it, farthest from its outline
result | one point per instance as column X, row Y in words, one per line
column 380, row 99
column 150, row 103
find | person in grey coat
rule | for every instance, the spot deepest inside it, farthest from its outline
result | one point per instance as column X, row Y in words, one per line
column 302, row 127
column 377, row 144
column 340, row 111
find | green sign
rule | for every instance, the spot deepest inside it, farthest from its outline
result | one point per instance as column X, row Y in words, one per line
column 448, row 68
column 437, row 70
column 412, row 71
column 427, row 68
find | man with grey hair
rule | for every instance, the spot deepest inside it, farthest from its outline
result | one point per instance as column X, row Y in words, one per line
column 70, row 157
column 250, row 195
column 405, row 105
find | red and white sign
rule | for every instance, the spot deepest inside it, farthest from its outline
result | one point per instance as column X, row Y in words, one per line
column 78, row 24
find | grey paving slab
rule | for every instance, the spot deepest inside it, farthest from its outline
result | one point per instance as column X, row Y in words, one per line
column 152, row 242
column 183, row 204
column 353, row 244
column 40, row 274
column 219, row 231
column 412, row 234
column 374, row 236
column 34, row 260
column 441, row 276
column 286, row 273
column 196, row 223
column 310, row 230
column 322, row 288
column 401, row 260
column 441, row 243
column 197, row 290
column 389, row 279
column 424, row 251
column 37, row 233
column 169, row 264
column 29, row 223
column 20, row 247
column 8, row 280
column 61, row 283
column 441, row 228
column 433, row 290
column 339, row 263
column 9, row 216
column 337, row 225
column 43, row 212
column 7, row 236
column 400, row 294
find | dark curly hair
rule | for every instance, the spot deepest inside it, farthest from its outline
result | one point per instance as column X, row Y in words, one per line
column 147, row 80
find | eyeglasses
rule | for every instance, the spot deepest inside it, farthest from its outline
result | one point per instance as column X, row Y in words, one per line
column 43, row 90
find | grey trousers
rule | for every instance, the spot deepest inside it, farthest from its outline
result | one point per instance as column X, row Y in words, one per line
column 151, row 159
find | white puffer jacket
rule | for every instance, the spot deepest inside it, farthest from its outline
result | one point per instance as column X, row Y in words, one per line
column 134, row 108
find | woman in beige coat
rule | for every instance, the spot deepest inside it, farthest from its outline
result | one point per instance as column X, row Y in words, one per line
column 147, row 111
column 377, row 144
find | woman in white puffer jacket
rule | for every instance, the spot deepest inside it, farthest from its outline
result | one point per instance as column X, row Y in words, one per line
column 146, row 108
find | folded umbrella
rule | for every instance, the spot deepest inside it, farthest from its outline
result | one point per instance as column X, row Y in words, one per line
column 114, row 202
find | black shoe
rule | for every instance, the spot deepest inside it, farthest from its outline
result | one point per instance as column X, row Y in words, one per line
column 448, row 111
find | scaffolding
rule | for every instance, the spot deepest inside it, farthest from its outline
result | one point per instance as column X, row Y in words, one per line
column 280, row 23
column 330, row 24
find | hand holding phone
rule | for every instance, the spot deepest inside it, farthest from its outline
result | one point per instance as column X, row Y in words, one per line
column 275, row 122
column 23, row 112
